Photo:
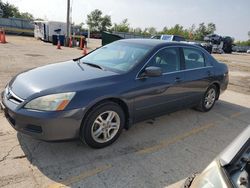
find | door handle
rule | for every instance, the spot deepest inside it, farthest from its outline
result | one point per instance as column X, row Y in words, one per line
column 178, row 79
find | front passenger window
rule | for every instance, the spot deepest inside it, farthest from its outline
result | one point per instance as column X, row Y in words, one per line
column 193, row 58
column 167, row 59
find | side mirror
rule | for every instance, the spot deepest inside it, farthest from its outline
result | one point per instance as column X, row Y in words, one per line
column 152, row 72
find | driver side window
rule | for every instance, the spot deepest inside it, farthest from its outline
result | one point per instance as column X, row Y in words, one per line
column 167, row 59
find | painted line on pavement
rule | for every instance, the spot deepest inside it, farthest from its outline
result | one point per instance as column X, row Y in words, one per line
column 175, row 139
column 234, row 115
column 80, row 177
column 194, row 131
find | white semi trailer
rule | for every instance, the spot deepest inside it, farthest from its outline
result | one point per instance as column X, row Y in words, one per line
column 44, row 30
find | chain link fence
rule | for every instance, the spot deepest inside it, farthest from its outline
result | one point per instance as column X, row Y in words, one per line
column 17, row 26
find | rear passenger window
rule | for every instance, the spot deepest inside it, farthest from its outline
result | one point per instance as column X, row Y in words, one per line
column 193, row 58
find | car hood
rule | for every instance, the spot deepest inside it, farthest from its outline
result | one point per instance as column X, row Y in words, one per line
column 232, row 150
column 54, row 76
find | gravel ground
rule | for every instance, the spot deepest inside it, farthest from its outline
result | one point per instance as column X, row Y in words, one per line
column 239, row 70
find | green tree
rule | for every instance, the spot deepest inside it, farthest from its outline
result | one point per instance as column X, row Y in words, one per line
column 138, row 30
column 204, row 30
column 97, row 22
column 10, row 10
column 243, row 43
column 151, row 30
column 145, row 31
column 105, row 23
column 200, row 32
column 191, row 33
column 176, row 30
column 122, row 27
column 26, row 16
column 211, row 28
column 164, row 30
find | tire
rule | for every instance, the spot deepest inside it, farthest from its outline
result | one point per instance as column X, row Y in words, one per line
column 103, row 125
column 207, row 102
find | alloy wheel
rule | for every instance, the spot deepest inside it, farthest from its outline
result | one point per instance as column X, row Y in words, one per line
column 105, row 126
column 210, row 98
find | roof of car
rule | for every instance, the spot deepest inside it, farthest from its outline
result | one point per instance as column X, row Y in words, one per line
column 153, row 42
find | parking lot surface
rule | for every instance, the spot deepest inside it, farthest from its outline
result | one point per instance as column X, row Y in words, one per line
column 154, row 153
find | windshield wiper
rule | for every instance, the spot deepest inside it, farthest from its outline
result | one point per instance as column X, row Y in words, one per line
column 94, row 65
column 189, row 181
column 78, row 58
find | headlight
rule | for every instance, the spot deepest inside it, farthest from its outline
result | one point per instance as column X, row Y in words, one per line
column 212, row 176
column 55, row 102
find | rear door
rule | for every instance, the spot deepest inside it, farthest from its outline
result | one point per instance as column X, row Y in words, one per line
column 197, row 75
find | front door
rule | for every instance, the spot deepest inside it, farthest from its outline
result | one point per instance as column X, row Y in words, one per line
column 157, row 95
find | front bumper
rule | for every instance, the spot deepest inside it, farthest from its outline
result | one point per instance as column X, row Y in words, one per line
column 49, row 126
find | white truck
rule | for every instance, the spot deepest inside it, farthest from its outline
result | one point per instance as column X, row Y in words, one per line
column 169, row 37
column 44, row 30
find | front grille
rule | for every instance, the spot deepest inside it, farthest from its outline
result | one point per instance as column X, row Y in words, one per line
column 13, row 97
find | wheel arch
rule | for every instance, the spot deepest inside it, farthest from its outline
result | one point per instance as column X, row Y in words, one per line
column 217, row 85
column 120, row 102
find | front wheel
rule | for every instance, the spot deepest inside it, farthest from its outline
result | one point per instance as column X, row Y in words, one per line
column 208, row 100
column 103, row 125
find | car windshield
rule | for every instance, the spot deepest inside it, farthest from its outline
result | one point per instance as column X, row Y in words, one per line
column 118, row 56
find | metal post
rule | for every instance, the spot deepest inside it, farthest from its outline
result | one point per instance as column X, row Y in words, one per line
column 88, row 34
column 68, row 23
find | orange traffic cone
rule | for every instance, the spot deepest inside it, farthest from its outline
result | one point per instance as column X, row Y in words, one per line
column 3, row 38
column 84, row 51
column 70, row 42
column 81, row 43
column 58, row 44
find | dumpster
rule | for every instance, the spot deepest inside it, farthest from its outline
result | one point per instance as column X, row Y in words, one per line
column 61, row 38
column 109, row 37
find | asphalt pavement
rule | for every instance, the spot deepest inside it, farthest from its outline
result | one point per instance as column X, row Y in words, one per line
column 154, row 153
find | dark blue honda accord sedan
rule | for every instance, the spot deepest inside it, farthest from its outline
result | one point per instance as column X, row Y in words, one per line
column 94, row 97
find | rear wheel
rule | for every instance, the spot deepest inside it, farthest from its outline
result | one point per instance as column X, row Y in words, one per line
column 208, row 100
column 103, row 125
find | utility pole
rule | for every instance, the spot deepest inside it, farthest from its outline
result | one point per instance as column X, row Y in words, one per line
column 68, row 23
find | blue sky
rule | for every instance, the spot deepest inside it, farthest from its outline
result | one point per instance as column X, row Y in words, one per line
column 230, row 16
